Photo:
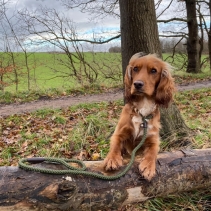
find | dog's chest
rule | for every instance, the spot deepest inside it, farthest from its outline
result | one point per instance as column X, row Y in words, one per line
column 142, row 109
column 137, row 122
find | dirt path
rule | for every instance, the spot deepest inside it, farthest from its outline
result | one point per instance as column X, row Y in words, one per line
column 63, row 102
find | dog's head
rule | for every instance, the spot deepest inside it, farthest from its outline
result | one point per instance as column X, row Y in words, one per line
column 147, row 75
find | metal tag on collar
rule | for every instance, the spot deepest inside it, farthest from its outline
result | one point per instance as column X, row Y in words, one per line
column 144, row 124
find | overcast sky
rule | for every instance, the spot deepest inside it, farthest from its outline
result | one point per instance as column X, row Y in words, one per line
column 86, row 25
column 83, row 21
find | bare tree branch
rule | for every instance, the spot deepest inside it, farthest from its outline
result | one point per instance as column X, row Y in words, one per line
column 172, row 19
column 165, row 8
column 96, row 8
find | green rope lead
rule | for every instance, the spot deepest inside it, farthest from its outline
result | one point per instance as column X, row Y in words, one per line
column 81, row 170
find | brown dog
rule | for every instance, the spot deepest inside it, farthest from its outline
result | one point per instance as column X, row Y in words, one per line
column 148, row 85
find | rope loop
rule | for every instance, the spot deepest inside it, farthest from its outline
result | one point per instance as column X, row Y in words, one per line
column 82, row 169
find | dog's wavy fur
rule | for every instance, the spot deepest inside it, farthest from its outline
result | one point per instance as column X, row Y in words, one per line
column 148, row 85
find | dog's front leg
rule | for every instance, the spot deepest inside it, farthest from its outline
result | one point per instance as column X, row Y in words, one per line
column 114, row 158
column 124, row 131
column 147, row 166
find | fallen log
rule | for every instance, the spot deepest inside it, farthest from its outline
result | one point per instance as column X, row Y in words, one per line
column 176, row 172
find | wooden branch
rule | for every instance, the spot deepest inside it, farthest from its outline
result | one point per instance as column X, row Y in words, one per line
column 165, row 8
column 173, row 34
column 161, row 35
column 62, row 38
column 172, row 19
column 176, row 172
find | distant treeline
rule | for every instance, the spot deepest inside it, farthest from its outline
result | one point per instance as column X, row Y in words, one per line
column 168, row 46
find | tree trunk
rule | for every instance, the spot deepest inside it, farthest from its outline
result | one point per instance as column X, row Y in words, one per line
column 176, row 172
column 139, row 31
column 193, row 38
column 201, row 27
column 174, row 131
column 209, row 35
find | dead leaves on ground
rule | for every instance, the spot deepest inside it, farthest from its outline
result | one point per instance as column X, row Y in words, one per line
column 196, row 109
column 195, row 103
column 57, row 133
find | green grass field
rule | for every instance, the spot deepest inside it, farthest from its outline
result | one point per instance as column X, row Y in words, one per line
column 53, row 70
column 51, row 75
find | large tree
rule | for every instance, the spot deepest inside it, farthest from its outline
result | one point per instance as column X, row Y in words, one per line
column 206, row 25
column 194, row 42
column 193, row 38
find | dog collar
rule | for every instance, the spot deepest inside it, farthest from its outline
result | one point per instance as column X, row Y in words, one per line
column 145, row 120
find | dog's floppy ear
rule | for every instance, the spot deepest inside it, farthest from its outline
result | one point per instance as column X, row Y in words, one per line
column 128, row 82
column 165, row 89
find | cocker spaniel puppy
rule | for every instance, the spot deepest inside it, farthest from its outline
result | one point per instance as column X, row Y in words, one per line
column 148, row 85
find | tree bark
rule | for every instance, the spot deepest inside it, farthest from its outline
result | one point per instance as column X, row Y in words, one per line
column 193, row 38
column 139, row 31
column 209, row 35
column 176, row 172
column 174, row 127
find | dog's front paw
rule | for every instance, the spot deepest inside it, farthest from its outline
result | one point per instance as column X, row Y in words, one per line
column 147, row 168
column 113, row 162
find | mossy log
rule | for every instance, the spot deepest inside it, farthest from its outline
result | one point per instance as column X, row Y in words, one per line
column 176, row 172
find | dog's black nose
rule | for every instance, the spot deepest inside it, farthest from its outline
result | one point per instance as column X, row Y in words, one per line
column 138, row 84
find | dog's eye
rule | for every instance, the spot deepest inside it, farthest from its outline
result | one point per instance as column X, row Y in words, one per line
column 153, row 71
column 135, row 69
